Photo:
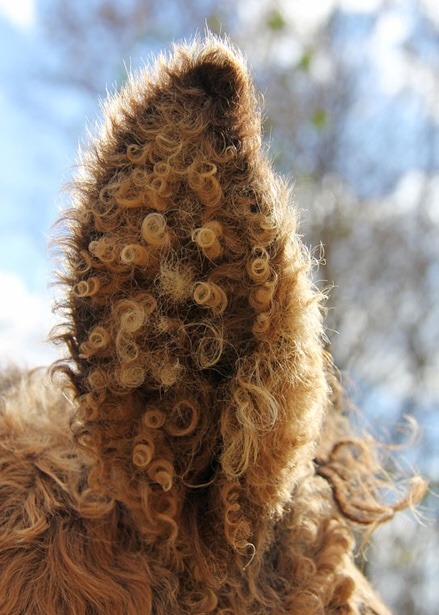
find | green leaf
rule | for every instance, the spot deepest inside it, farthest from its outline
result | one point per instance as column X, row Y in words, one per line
column 305, row 60
column 319, row 118
column 275, row 21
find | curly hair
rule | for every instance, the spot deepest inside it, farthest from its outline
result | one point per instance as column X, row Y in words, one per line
column 195, row 478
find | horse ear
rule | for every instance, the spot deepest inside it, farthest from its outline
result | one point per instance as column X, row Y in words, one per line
column 221, row 76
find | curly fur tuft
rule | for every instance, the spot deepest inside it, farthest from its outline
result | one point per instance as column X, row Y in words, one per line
column 187, row 482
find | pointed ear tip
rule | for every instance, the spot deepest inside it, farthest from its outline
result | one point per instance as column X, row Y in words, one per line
column 221, row 72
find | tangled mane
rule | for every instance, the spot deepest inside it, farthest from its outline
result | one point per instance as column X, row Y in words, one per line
column 199, row 379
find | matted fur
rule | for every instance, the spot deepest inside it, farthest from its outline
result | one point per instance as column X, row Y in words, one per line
column 185, row 475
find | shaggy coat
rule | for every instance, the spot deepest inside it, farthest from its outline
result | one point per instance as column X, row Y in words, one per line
column 182, row 469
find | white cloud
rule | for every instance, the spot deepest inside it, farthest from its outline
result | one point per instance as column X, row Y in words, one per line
column 312, row 13
column 25, row 321
column 19, row 12
column 431, row 8
column 361, row 6
column 309, row 15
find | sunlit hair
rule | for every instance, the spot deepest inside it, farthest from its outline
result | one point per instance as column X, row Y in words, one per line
column 198, row 373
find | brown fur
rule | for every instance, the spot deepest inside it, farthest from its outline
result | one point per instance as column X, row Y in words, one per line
column 187, row 474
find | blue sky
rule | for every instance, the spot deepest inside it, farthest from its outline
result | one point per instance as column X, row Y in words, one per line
column 39, row 130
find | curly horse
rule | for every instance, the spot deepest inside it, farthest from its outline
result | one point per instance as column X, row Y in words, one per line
column 189, row 455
